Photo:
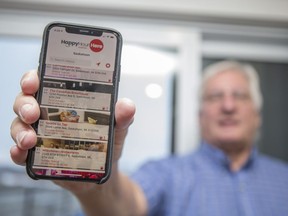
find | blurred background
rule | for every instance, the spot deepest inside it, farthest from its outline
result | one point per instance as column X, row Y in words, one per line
column 166, row 45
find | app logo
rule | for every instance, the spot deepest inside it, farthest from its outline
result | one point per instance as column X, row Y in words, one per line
column 69, row 43
column 96, row 45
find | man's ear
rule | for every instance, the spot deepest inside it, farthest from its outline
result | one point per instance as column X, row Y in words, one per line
column 259, row 121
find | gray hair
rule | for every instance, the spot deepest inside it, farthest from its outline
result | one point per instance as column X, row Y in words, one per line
column 245, row 69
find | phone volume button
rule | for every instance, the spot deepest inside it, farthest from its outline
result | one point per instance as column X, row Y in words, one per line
column 119, row 73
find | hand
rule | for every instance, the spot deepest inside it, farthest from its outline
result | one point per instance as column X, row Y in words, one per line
column 27, row 110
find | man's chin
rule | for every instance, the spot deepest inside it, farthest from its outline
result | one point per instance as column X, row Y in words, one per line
column 230, row 143
column 230, row 140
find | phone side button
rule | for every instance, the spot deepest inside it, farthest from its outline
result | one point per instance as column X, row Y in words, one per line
column 119, row 74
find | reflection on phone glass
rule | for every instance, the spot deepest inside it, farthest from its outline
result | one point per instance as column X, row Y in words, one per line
column 77, row 96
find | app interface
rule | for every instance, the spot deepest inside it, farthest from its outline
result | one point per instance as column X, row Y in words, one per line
column 75, row 105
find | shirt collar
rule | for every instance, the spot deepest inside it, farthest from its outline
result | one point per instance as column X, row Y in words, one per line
column 218, row 156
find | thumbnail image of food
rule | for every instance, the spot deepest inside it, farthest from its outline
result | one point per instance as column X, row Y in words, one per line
column 91, row 120
column 69, row 116
column 50, row 143
column 99, row 147
column 72, row 144
column 75, row 116
column 55, row 114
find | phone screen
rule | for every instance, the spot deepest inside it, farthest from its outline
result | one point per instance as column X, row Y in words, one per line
column 79, row 75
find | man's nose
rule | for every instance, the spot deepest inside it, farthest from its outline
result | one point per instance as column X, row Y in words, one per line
column 228, row 104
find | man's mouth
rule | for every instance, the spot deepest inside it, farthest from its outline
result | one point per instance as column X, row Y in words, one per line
column 228, row 122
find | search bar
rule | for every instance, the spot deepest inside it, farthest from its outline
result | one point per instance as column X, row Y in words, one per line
column 70, row 61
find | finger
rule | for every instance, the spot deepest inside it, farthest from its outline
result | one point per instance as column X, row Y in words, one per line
column 30, row 82
column 18, row 155
column 27, row 108
column 23, row 135
column 124, row 115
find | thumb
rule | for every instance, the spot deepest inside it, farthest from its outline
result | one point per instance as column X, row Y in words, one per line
column 124, row 116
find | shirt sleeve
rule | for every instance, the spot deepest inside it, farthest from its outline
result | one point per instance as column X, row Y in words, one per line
column 153, row 179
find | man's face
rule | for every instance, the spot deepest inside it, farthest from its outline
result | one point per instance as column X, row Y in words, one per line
column 228, row 115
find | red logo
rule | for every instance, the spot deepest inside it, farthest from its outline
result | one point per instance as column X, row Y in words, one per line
column 96, row 45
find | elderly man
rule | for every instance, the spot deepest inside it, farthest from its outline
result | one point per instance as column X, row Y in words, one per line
column 225, row 176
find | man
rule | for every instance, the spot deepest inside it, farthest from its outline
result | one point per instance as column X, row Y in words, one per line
column 225, row 176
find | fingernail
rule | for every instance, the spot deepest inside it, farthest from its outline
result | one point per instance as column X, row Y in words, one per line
column 26, row 78
column 20, row 137
column 24, row 109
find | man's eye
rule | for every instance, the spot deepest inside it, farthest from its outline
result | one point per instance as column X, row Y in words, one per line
column 241, row 95
column 213, row 97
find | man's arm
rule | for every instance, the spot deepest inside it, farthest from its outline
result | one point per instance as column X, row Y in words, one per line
column 118, row 196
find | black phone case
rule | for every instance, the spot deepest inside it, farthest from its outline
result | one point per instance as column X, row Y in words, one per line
column 116, row 79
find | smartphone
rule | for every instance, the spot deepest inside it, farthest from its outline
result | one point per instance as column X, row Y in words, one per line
column 79, row 71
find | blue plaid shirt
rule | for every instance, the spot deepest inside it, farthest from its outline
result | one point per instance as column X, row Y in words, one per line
column 202, row 184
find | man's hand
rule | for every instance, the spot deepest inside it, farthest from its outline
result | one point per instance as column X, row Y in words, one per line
column 27, row 110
